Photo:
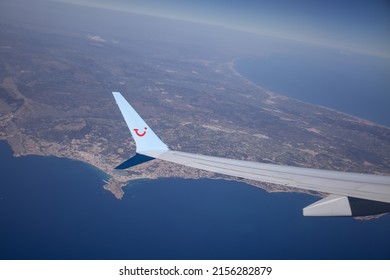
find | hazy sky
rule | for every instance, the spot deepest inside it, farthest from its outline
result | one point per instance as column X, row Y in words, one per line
column 361, row 25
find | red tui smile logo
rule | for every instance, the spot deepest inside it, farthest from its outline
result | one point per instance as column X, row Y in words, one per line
column 140, row 134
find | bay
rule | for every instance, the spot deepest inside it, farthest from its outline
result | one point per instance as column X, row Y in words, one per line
column 354, row 84
column 55, row 208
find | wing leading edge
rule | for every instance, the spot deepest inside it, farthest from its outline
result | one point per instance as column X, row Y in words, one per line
column 351, row 194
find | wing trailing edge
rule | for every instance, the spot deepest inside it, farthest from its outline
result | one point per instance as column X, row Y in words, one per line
column 351, row 194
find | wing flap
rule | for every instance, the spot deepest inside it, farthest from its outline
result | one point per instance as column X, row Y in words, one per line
column 333, row 205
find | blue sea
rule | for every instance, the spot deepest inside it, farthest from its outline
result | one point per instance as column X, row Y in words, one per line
column 55, row 208
column 354, row 84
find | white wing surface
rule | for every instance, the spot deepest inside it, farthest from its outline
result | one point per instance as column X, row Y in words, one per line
column 352, row 194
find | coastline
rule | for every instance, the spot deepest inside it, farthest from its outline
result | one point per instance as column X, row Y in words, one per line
column 350, row 117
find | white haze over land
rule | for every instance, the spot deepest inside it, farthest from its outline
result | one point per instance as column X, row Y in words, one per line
column 351, row 26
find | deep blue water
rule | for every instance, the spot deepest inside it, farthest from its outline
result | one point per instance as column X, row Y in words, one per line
column 355, row 84
column 52, row 208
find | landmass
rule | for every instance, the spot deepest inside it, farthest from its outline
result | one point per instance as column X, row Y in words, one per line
column 55, row 99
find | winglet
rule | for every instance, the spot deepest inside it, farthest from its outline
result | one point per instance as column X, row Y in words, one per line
column 144, row 137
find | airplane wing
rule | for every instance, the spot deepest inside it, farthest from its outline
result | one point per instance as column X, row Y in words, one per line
column 351, row 194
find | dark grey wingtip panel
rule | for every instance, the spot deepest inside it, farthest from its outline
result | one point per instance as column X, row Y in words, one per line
column 365, row 207
column 133, row 161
